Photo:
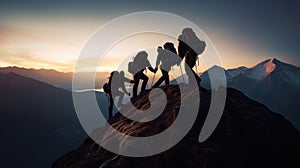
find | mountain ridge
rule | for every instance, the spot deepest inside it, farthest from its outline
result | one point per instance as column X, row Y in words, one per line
column 248, row 135
column 271, row 82
column 37, row 120
column 58, row 79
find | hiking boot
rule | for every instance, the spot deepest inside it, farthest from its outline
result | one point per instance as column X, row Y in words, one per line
column 134, row 99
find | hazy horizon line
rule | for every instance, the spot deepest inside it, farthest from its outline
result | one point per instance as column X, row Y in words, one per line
column 66, row 72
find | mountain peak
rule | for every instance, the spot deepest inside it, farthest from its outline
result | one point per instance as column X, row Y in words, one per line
column 281, row 64
column 277, row 61
column 11, row 75
column 216, row 67
column 269, row 67
column 265, row 68
column 241, row 139
column 16, row 68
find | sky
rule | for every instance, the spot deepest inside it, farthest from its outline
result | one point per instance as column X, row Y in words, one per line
column 51, row 34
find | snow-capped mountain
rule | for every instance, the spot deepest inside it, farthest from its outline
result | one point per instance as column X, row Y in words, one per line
column 271, row 82
column 230, row 74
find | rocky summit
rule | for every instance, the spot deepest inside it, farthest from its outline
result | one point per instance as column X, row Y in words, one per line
column 248, row 135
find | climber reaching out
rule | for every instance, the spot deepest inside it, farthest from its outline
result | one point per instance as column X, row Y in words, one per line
column 136, row 68
column 112, row 88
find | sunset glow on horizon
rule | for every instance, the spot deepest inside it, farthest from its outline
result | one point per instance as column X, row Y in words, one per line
column 57, row 47
column 54, row 39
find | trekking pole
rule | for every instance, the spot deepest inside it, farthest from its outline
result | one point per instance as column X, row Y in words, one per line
column 198, row 64
column 153, row 79
column 181, row 73
column 147, row 86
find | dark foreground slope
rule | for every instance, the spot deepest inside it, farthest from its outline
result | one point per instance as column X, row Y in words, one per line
column 248, row 135
column 37, row 122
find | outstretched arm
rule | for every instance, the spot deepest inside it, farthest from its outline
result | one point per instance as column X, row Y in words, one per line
column 150, row 67
column 152, row 70
column 124, row 89
column 127, row 80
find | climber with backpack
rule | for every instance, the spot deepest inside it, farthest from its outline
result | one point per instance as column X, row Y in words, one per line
column 167, row 57
column 136, row 68
column 116, row 81
column 189, row 47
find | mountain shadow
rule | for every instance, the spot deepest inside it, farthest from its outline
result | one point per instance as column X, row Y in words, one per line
column 38, row 122
column 248, row 135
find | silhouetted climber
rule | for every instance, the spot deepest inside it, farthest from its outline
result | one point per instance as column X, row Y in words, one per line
column 112, row 88
column 137, row 67
column 190, row 46
column 167, row 57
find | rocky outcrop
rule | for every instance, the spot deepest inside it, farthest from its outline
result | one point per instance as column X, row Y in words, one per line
column 248, row 135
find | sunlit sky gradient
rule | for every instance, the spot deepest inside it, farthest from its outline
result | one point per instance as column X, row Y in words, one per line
column 50, row 34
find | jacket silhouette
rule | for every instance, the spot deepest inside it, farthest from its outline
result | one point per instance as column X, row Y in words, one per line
column 117, row 88
column 186, row 40
column 167, row 57
column 141, row 62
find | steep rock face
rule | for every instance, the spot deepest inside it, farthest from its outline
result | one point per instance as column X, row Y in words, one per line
column 273, row 83
column 278, row 87
column 248, row 135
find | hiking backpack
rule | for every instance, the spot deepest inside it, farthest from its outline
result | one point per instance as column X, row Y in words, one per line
column 137, row 63
column 106, row 88
column 173, row 58
column 170, row 47
column 197, row 45
column 131, row 68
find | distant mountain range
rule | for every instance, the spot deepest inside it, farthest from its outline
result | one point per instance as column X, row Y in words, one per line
column 271, row 82
column 55, row 78
column 38, row 122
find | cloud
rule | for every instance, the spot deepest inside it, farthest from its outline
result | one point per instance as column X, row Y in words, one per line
column 24, row 58
column 36, row 49
column 12, row 35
